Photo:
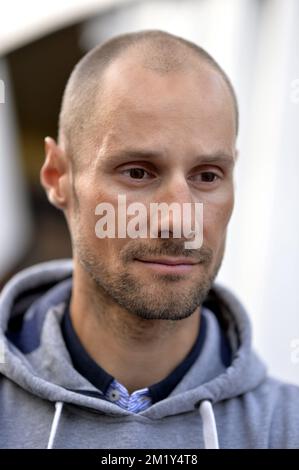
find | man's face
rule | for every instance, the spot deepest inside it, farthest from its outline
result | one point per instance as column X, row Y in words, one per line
column 161, row 138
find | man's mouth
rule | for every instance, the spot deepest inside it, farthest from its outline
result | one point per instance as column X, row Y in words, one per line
column 169, row 265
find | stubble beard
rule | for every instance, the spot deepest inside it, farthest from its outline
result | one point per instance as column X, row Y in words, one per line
column 165, row 298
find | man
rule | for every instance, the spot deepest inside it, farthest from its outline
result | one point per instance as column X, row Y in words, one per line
column 133, row 345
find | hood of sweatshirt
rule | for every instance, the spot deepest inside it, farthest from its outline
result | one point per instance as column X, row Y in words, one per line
column 36, row 359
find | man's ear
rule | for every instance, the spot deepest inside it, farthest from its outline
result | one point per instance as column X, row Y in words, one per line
column 54, row 174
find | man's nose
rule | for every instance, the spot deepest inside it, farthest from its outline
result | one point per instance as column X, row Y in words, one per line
column 176, row 188
column 178, row 200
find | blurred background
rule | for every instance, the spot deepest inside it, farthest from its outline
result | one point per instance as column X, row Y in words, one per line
column 256, row 42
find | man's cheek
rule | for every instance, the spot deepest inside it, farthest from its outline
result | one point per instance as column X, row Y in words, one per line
column 214, row 226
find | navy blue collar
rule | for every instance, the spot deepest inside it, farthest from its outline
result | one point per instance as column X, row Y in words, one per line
column 96, row 375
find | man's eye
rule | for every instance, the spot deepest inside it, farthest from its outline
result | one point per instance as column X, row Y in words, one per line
column 137, row 173
column 208, row 176
column 205, row 177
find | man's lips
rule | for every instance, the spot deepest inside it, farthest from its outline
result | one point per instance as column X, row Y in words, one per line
column 169, row 261
column 169, row 265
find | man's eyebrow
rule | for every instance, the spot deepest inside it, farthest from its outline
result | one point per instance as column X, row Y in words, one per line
column 144, row 154
column 219, row 157
column 132, row 154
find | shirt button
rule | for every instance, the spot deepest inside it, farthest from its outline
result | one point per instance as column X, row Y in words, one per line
column 113, row 395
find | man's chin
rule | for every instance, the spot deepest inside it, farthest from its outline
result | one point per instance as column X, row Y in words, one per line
column 152, row 294
column 156, row 301
column 165, row 310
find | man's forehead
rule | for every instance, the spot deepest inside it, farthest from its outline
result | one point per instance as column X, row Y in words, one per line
column 137, row 126
column 127, row 80
column 141, row 105
column 117, row 149
column 169, row 105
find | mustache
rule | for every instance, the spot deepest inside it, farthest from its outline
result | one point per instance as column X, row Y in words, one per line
column 165, row 247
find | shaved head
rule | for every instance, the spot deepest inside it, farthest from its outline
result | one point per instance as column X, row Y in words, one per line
column 157, row 51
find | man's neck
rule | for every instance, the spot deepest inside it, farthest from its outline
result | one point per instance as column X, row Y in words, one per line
column 136, row 351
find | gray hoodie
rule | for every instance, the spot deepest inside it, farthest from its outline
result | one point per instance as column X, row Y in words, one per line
column 46, row 403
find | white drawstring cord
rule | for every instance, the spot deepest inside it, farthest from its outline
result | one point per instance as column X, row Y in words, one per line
column 58, row 410
column 209, row 429
column 210, row 435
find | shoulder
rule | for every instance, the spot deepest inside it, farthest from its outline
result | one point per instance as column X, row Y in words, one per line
column 281, row 400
